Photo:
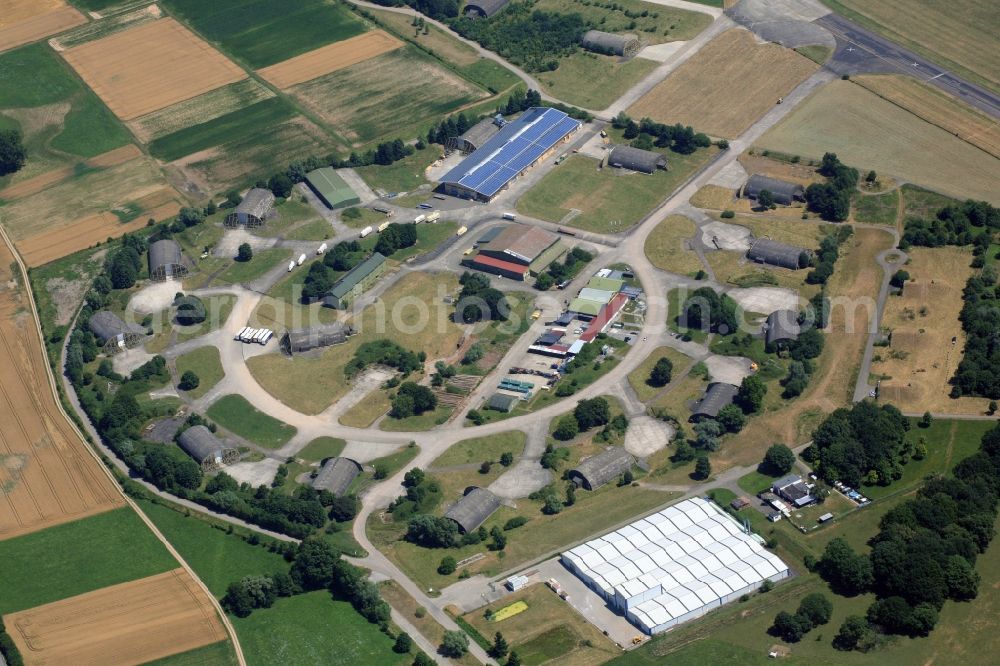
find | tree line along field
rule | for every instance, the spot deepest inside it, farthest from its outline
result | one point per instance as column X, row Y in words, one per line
column 871, row 133
column 725, row 86
column 265, row 32
column 958, row 34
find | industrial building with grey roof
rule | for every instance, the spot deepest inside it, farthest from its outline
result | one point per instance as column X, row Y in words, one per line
column 473, row 509
column 609, row 43
column 305, row 339
column 636, row 159
column 783, row 191
column 782, row 327
column 253, row 210
column 767, row 251
column 476, row 136
column 598, row 470
column 717, row 396
column 166, row 261
column 336, row 475
column 208, row 450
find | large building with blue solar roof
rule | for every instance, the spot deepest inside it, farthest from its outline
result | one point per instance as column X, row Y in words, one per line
column 518, row 146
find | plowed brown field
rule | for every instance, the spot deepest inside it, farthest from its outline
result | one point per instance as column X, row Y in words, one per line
column 726, row 86
column 151, row 66
column 131, row 623
column 23, row 21
column 46, row 474
column 330, row 58
column 41, row 181
column 57, row 243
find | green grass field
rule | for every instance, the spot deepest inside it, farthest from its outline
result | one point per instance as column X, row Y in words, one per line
column 217, row 557
column 639, row 377
column 918, row 202
column 594, row 81
column 263, row 261
column 268, row 31
column 313, row 629
column 78, row 557
column 482, row 448
column 877, row 208
column 216, row 654
column 417, row 422
column 205, row 363
column 321, row 448
column 609, row 200
column 235, row 414
column 253, row 119
column 403, row 176
column 58, row 116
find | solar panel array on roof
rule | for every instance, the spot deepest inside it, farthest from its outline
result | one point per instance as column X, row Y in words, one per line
column 674, row 565
column 518, row 145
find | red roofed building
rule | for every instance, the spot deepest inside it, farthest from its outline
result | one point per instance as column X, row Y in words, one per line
column 599, row 323
column 496, row 266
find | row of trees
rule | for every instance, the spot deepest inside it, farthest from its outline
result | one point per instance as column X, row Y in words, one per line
column 970, row 223
column 647, row 134
column 978, row 372
column 826, row 257
column 924, row 553
column 832, row 199
column 384, row 352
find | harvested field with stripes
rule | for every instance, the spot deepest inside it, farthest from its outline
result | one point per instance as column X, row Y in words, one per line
column 47, row 476
column 23, row 21
column 130, row 623
column 330, row 58
column 937, row 108
column 197, row 110
column 38, row 183
column 726, row 86
column 150, row 67
column 108, row 24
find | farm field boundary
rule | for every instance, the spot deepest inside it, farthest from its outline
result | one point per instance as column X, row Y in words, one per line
column 105, row 26
column 40, row 182
column 330, row 58
column 129, row 623
column 25, row 21
column 151, row 66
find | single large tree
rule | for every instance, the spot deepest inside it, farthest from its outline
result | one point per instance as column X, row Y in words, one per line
column 12, row 152
column 778, row 460
column 661, row 373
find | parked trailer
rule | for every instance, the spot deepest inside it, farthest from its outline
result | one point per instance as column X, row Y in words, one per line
column 302, row 259
column 239, row 336
column 366, row 231
column 260, row 335
column 291, row 266
column 419, row 218
column 267, row 336
column 509, row 216
column 461, row 230
column 434, row 217
column 248, row 336
column 382, row 209
column 321, row 249
column 382, row 227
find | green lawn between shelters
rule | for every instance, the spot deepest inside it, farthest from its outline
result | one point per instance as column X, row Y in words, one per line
column 205, row 363
column 240, row 272
column 235, row 414
column 74, row 558
column 268, row 31
column 609, row 200
column 321, row 448
column 479, row 449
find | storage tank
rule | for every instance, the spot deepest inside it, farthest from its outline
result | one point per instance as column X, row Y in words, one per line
column 302, row 259
column 366, row 231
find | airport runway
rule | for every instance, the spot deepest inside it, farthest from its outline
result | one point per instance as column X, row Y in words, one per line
column 862, row 51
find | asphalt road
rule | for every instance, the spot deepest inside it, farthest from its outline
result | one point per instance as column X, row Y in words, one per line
column 859, row 51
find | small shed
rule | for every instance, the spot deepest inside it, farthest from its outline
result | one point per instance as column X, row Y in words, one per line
column 782, row 327
column 767, row 251
column 597, row 470
column 717, row 396
column 165, row 262
column 475, row 136
column 636, row 159
column 502, row 402
column 783, row 191
column 609, row 43
column 301, row 340
column 473, row 509
column 253, row 210
column 113, row 333
column 208, row 450
column 484, row 8
column 336, row 475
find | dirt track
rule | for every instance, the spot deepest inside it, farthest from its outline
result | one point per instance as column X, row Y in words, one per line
column 151, row 66
column 46, row 474
column 131, row 623
column 330, row 58
column 23, row 21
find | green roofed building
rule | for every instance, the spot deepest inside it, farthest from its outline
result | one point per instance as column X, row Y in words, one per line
column 586, row 307
column 543, row 260
column 502, row 402
column 356, row 282
column 331, row 188
column 606, row 284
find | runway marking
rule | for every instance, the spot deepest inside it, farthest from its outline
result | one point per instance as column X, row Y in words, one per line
column 934, row 77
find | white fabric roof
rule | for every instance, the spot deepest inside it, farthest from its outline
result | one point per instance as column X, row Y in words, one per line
column 689, row 555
